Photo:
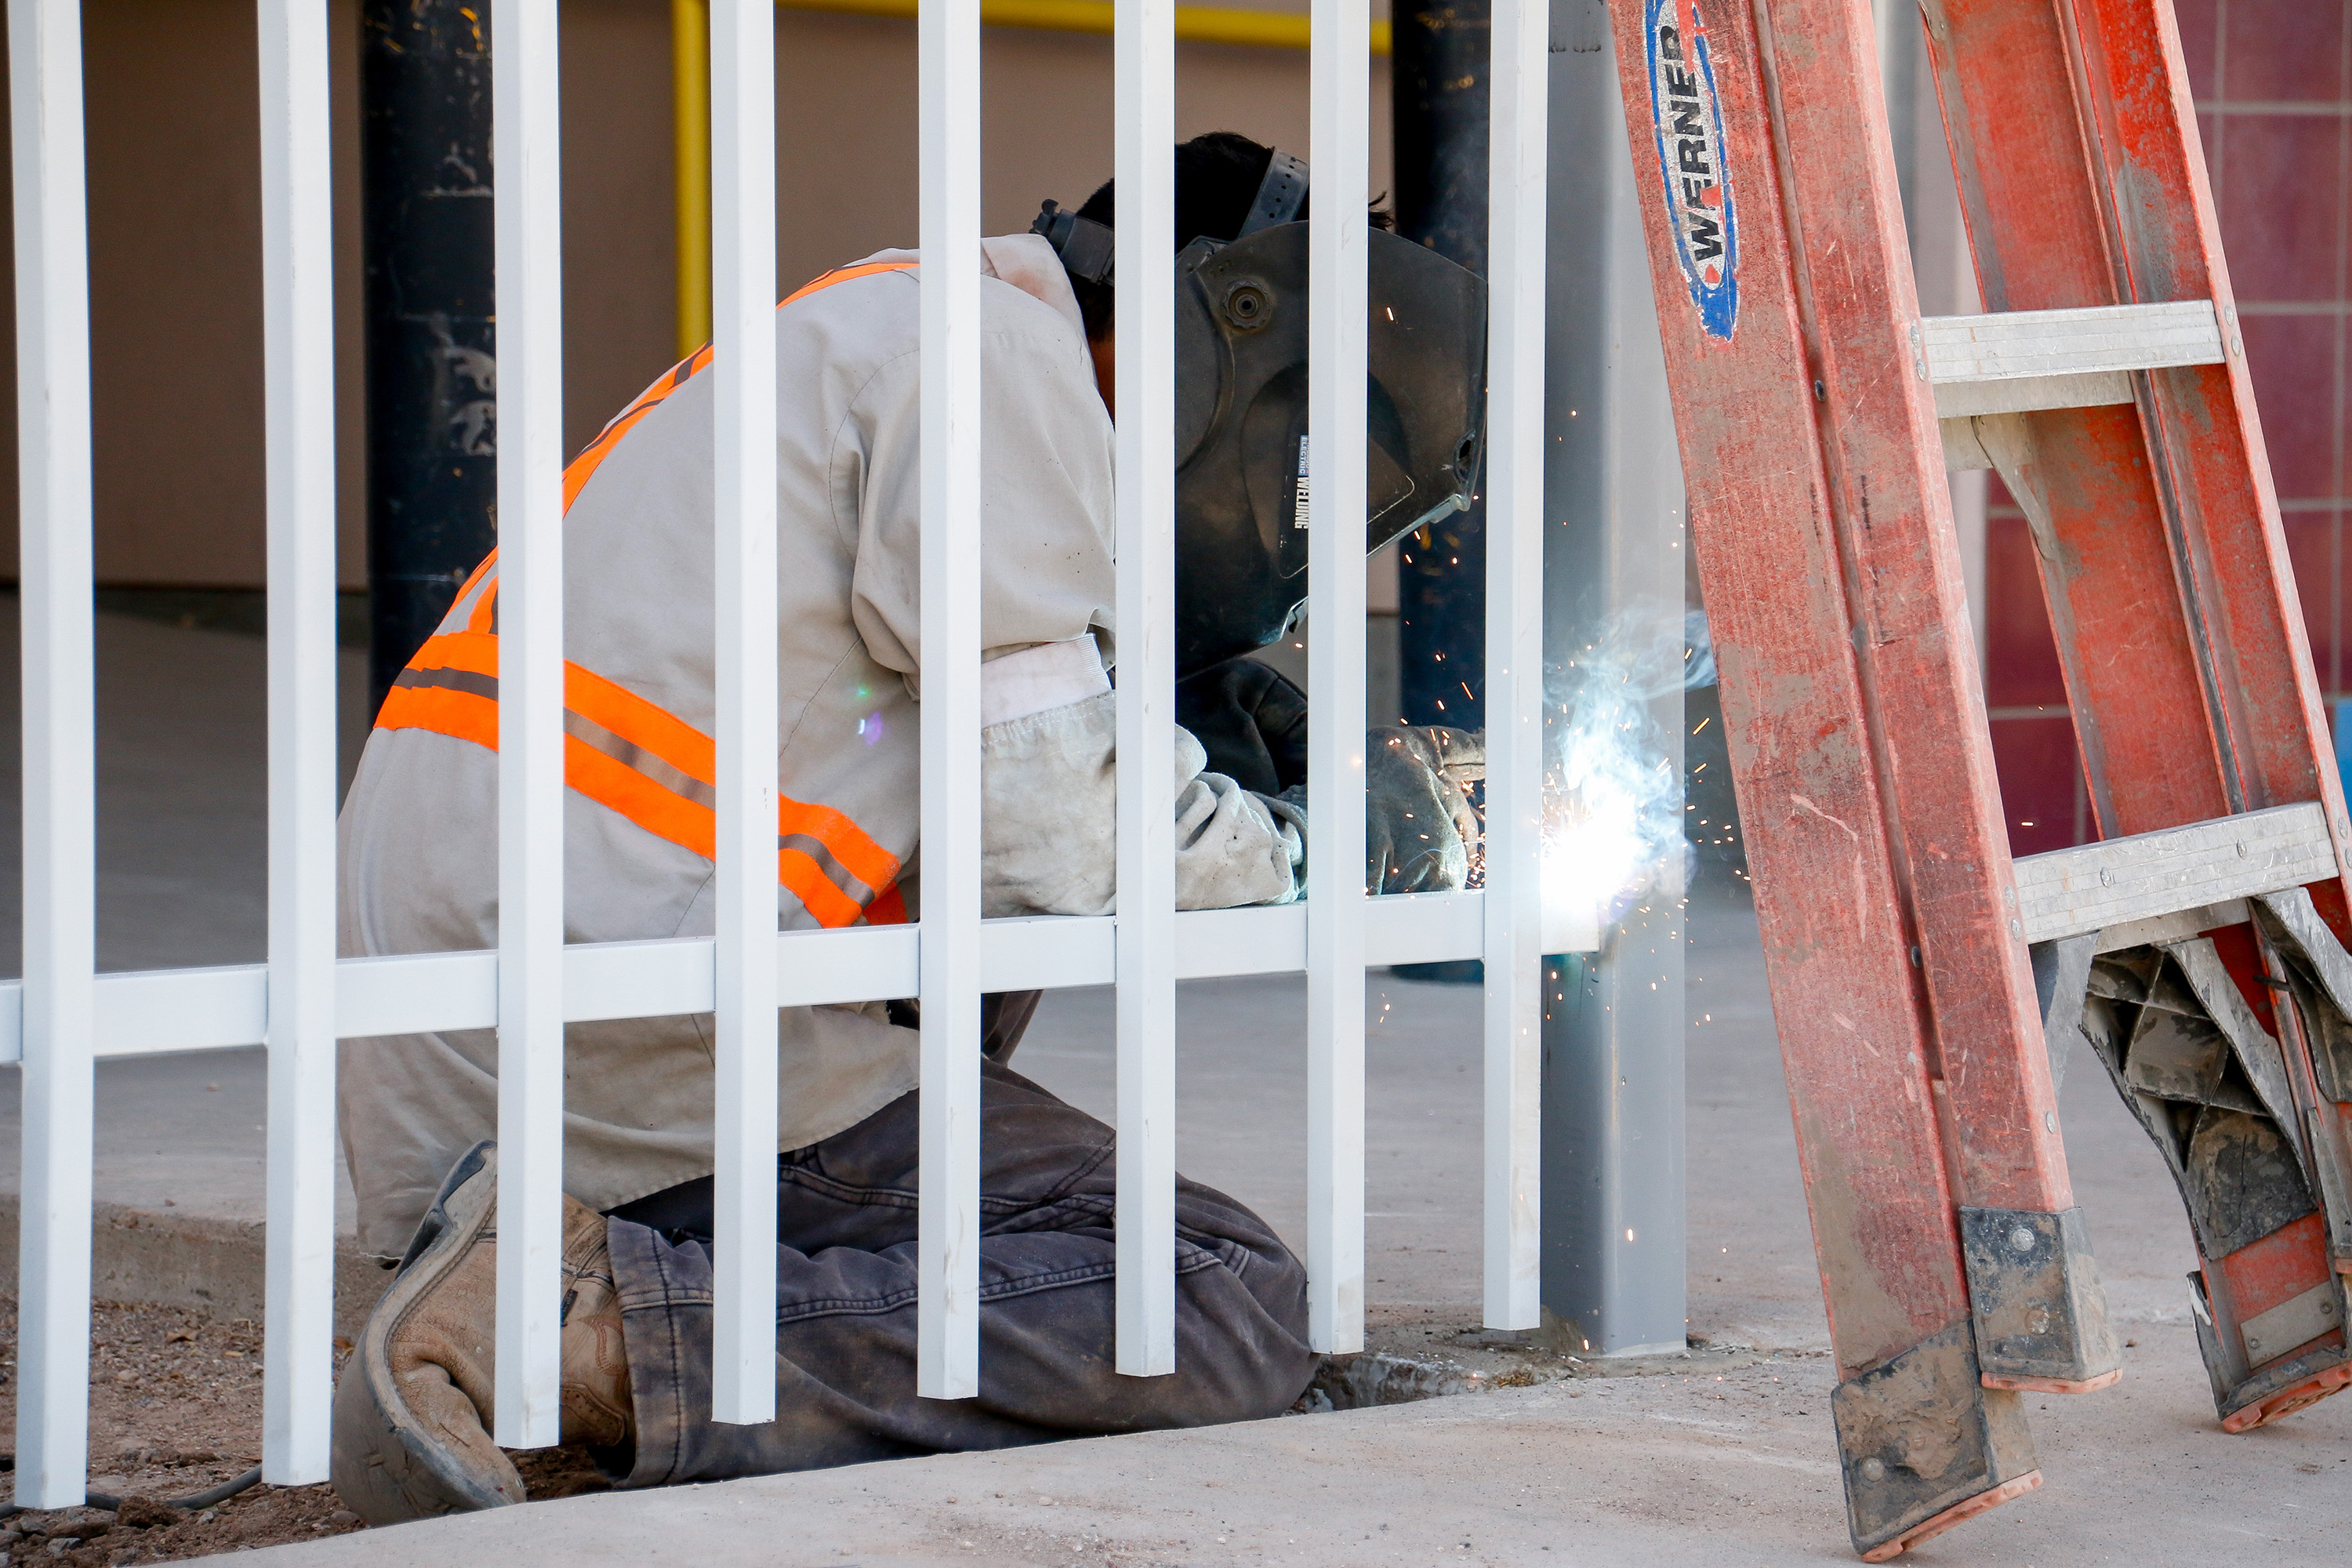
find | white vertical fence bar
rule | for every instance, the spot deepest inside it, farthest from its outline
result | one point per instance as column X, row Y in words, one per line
column 60, row 779
column 743, row 309
column 1145, row 66
column 947, row 1221
column 531, row 718
column 298, row 329
column 1339, row 73
column 1514, row 706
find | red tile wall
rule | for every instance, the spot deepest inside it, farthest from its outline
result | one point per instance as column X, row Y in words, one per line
column 2273, row 81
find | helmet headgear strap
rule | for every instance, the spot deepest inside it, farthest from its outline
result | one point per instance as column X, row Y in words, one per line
column 1085, row 246
column 1280, row 195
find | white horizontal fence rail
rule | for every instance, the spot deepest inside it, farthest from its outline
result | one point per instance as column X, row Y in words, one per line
column 61, row 1017
column 299, row 355
column 160, row 1011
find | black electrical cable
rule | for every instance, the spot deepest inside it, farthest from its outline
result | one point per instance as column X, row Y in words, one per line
column 220, row 1493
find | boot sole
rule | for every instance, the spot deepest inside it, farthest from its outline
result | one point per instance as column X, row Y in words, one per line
column 387, row 1466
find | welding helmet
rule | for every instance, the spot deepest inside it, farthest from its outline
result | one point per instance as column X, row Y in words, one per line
column 1242, row 484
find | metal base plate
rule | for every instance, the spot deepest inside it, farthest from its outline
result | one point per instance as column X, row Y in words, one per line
column 1920, row 1436
column 2039, row 1313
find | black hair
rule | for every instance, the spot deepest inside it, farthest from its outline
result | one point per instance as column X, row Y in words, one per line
column 1217, row 177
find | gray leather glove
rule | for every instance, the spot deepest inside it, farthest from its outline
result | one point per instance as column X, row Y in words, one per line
column 1418, row 821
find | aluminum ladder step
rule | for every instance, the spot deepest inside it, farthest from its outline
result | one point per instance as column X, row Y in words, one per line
column 2163, row 886
column 2027, row 360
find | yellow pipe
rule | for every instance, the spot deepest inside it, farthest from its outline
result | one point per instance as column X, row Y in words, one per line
column 690, row 79
column 690, row 33
column 1194, row 24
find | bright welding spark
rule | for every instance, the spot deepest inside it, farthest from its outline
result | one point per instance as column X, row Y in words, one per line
column 1612, row 827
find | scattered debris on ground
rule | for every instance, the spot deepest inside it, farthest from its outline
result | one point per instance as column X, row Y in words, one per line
column 176, row 1410
column 559, row 1472
column 1414, row 1353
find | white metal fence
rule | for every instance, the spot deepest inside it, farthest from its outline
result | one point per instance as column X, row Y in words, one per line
column 299, row 1002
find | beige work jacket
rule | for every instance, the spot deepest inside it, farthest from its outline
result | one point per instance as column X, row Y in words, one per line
column 419, row 832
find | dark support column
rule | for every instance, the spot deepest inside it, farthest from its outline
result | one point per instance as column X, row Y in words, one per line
column 432, row 371
column 1440, row 74
column 1439, row 94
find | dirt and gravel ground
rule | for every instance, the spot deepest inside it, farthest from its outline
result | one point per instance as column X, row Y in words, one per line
column 175, row 1409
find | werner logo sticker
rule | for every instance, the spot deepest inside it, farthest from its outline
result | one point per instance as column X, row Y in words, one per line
column 1697, row 184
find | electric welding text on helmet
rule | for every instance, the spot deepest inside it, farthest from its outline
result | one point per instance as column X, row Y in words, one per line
column 1242, row 485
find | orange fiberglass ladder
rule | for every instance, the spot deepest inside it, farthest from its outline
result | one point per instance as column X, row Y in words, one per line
column 1927, row 988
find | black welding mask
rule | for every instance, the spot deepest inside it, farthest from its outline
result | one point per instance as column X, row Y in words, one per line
column 1242, row 484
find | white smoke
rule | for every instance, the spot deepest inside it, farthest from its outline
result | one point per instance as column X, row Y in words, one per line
column 1613, row 792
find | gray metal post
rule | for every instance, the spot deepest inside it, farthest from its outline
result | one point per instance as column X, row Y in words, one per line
column 1613, row 1263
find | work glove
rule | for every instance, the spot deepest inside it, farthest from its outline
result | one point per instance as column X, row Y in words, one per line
column 1251, row 720
column 1418, row 821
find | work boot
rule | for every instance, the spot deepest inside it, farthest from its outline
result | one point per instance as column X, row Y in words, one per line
column 414, row 1411
column 597, row 1409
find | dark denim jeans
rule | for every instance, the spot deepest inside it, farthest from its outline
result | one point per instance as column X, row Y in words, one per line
column 845, row 1309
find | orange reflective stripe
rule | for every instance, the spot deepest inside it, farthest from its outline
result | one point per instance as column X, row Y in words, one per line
column 623, row 752
column 859, row 856
column 641, row 723
column 438, row 708
column 576, row 475
column 842, row 274
column 815, row 890
column 611, row 782
column 582, row 467
column 646, row 764
column 478, row 618
column 475, row 651
column 888, row 908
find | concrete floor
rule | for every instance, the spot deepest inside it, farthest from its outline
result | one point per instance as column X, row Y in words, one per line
column 1664, row 1469
column 1651, row 1472
column 182, row 755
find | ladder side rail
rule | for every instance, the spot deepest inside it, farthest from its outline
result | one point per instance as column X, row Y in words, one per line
column 2230, row 546
column 1795, row 716
column 2027, row 206
column 2206, row 423
column 2028, row 187
column 1852, row 1030
column 2157, row 535
column 1876, row 414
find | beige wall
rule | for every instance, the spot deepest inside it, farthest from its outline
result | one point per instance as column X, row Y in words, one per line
column 175, row 299
column 175, row 219
column 846, row 148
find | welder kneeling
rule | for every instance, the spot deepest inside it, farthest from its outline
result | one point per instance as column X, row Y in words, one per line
column 414, row 1414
